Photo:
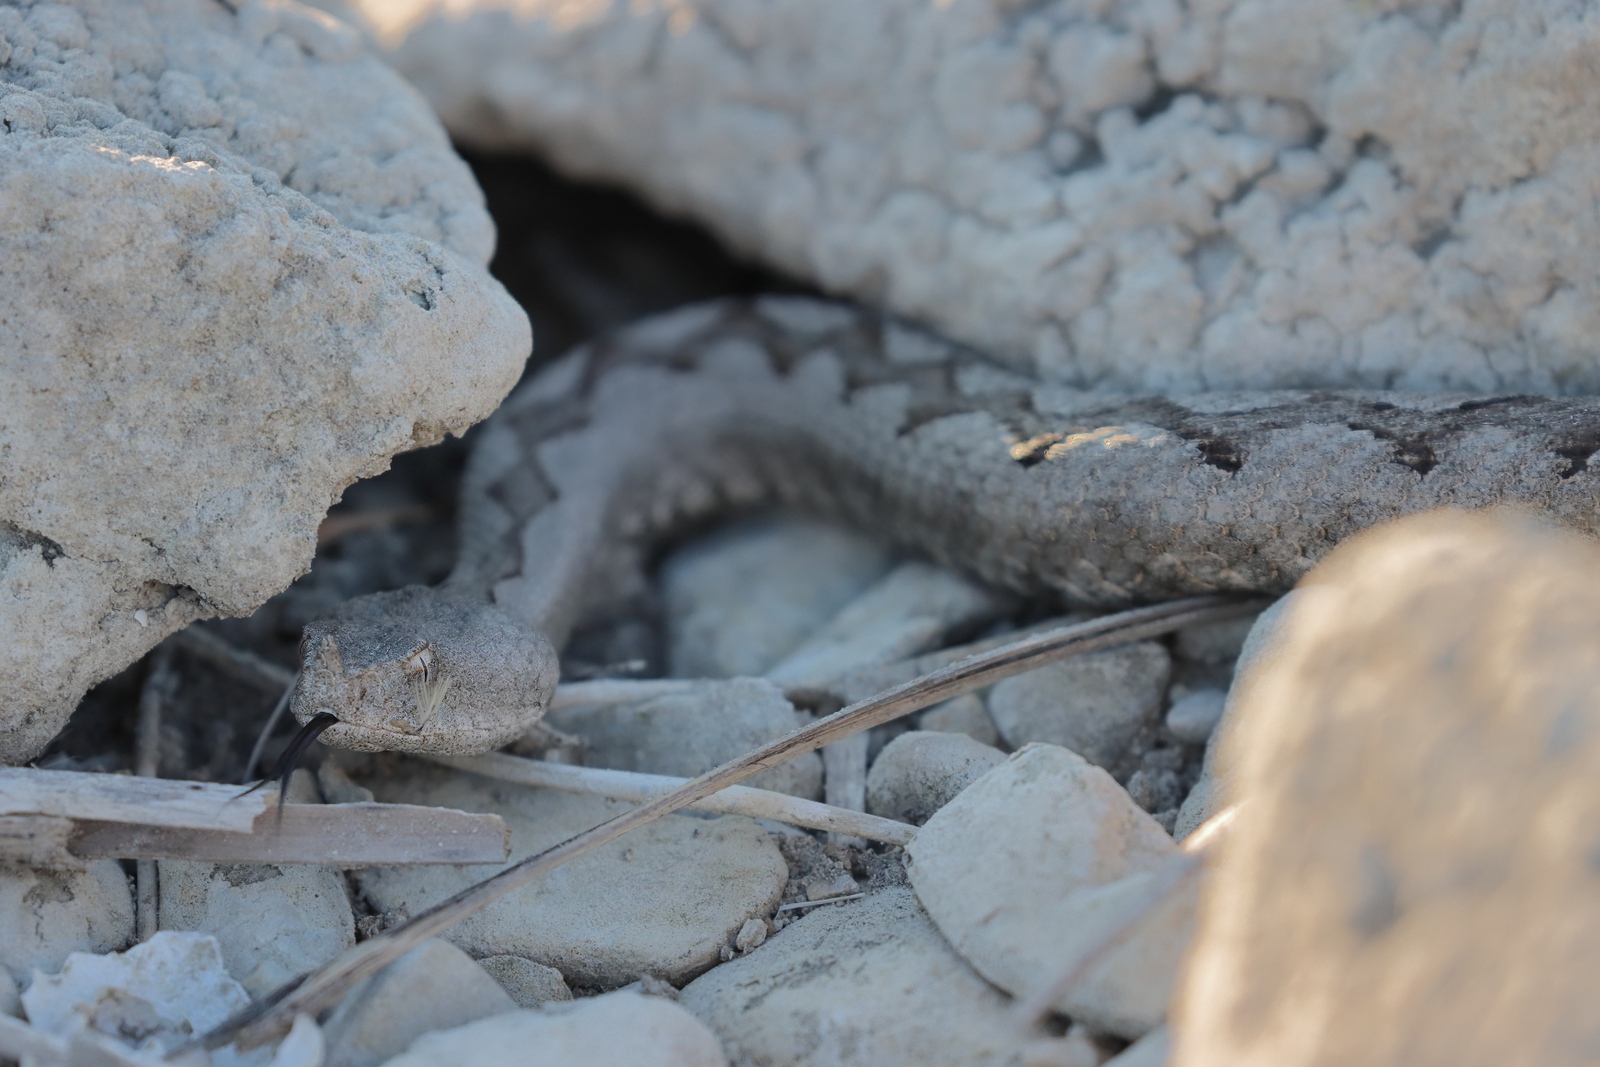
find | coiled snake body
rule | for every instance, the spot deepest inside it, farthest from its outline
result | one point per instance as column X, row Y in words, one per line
column 1096, row 499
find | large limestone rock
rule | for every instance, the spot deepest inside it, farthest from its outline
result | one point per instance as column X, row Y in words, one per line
column 1139, row 193
column 1411, row 876
column 240, row 268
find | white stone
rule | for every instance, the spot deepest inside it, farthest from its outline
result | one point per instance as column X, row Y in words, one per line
column 621, row 1029
column 1023, row 870
column 661, row 901
column 1092, row 704
column 273, row 922
column 860, row 984
column 435, row 986
column 156, row 995
column 1144, row 196
column 244, row 269
column 527, row 983
column 47, row 915
column 739, row 601
column 1193, row 716
column 911, row 609
column 965, row 714
column 686, row 734
column 919, row 772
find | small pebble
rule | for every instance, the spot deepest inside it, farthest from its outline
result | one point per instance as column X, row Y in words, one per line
column 751, row 934
column 1095, row 704
column 964, row 714
column 527, row 983
column 919, row 772
column 1192, row 717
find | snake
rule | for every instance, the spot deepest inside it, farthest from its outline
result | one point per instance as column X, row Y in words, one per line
column 1092, row 499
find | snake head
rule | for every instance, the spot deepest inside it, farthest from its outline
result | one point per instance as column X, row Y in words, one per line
column 418, row 671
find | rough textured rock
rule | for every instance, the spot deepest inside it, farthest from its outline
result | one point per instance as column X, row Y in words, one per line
column 435, row 986
column 1092, row 704
column 273, row 922
column 527, row 983
column 47, row 915
column 1146, row 193
column 1416, row 850
column 859, row 984
column 689, row 733
column 739, row 601
column 1022, row 870
column 621, row 1029
column 919, row 772
column 662, row 901
column 240, row 268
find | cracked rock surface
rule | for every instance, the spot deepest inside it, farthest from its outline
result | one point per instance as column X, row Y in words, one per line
column 240, row 267
column 1145, row 194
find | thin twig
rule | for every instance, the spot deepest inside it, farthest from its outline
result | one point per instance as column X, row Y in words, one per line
column 254, row 762
column 630, row 785
column 158, row 686
column 602, row 692
column 324, row 987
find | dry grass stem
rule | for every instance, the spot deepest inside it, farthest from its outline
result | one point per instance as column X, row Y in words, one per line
column 604, row 692
column 159, row 685
column 325, row 987
column 735, row 800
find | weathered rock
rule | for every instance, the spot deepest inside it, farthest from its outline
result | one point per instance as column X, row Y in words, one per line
column 435, row 986
column 527, row 983
column 621, row 1029
column 965, row 714
column 1410, row 878
column 686, row 734
column 1194, row 715
column 913, row 608
column 243, row 268
column 868, row 982
column 1092, row 704
column 47, row 915
column 1156, row 196
column 739, row 601
column 919, row 772
column 156, row 995
column 1026, row 868
column 662, row 901
column 1213, row 643
column 273, row 922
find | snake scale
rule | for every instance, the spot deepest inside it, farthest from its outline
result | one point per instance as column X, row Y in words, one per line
column 1094, row 499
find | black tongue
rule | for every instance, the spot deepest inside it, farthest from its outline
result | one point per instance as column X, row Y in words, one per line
column 283, row 770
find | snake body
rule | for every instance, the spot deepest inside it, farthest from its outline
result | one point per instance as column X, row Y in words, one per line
column 1096, row 499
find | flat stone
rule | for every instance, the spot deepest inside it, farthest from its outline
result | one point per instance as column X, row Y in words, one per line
column 740, row 600
column 244, row 269
column 45, row 916
column 1193, row 716
column 1094, row 704
column 621, row 1029
column 435, row 986
column 273, row 922
column 1025, row 867
column 913, row 608
column 965, row 714
column 1410, row 878
column 919, row 772
column 662, row 901
column 859, row 984
column 686, row 734
column 527, row 983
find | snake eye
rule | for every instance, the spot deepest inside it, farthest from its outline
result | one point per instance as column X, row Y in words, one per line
column 421, row 662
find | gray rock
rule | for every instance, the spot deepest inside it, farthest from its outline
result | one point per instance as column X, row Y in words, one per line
column 10, row 995
column 1094, row 704
column 859, row 984
column 1026, row 868
column 662, row 901
column 911, row 609
column 621, row 1029
column 45, row 916
column 920, row 772
column 965, row 714
column 686, row 734
column 1410, row 878
column 273, row 922
column 1194, row 715
column 1212, row 643
column 739, row 601
column 244, row 269
column 435, row 986
column 527, row 983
